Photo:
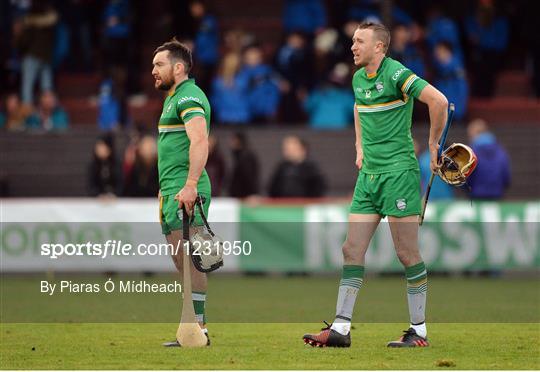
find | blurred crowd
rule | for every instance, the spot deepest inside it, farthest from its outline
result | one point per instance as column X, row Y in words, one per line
column 235, row 169
column 305, row 78
column 134, row 173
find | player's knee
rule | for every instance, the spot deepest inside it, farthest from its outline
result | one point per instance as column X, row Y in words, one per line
column 407, row 257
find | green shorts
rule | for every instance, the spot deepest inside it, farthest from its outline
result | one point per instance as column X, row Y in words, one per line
column 394, row 194
column 170, row 216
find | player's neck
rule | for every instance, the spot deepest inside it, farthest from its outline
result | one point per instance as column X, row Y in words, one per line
column 178, row 82
column 373, row 66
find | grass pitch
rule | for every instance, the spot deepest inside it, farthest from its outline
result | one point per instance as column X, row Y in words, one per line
column 255, row 323
column 265, row 346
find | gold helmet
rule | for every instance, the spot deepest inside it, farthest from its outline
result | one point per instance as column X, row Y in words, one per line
column 457, row 163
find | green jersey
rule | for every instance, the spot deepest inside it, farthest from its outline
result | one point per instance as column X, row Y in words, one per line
column 384, row 104
column 186, row 102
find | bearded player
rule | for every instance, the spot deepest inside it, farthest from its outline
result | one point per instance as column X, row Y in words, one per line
column 182, row 153
column 388, row 181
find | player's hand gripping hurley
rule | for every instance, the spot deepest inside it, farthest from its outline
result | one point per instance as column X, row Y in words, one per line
column 439, row 152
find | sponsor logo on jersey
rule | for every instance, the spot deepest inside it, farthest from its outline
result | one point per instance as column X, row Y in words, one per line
column 397, row 73
column 401, row 204
column 379, row 85
column 185, row 99
column 359, row 90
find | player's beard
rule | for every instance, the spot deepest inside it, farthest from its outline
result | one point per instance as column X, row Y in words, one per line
column 166, row 82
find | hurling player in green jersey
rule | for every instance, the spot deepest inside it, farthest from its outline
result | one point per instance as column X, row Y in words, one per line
column 182, row 153
column 388, row 181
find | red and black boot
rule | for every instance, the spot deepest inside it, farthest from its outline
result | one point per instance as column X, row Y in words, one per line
column 328, row 337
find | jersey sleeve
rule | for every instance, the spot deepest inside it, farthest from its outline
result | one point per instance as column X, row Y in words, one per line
column 189, row 107
column 408, row 82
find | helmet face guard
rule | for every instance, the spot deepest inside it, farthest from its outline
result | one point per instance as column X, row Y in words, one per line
column 457, row 163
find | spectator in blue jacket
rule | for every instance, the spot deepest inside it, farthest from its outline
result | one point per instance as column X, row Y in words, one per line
column 229, row 93
column 206, row 43
column 450, row 78
column 262, row 85
column 49, row 115
column 109, row 108
column 331, row 105
column 306, row 16
column 403, row 50
column 362, row 10
column 442, row 28
column 491, row 177
column 487, row 34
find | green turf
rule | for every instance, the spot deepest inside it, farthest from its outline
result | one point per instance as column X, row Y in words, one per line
column 257, row 323
column 265, row 346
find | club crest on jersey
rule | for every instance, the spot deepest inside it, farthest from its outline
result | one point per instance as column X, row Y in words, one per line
column 368, row 93
column 379, row 85
column 401, row 204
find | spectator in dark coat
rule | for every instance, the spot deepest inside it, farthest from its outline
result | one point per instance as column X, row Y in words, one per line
column 142, row 180
column 245, row 172
column 103, row 174
column 492, row 176
column 296, row 176
column 294, row 63
column 215, row 166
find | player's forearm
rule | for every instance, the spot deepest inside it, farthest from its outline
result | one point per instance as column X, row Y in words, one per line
column 438, row 111
column 198, row 155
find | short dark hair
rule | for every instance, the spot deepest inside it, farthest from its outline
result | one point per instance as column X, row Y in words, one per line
column 177, row 52
column 379, row 30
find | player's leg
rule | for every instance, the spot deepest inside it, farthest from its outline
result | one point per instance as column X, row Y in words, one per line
column 363, row 221
column 405, row 235
column 361, row 229
column 199, row 281
column 402, row 204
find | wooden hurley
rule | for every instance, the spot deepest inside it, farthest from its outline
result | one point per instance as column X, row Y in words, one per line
column 189, row 333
